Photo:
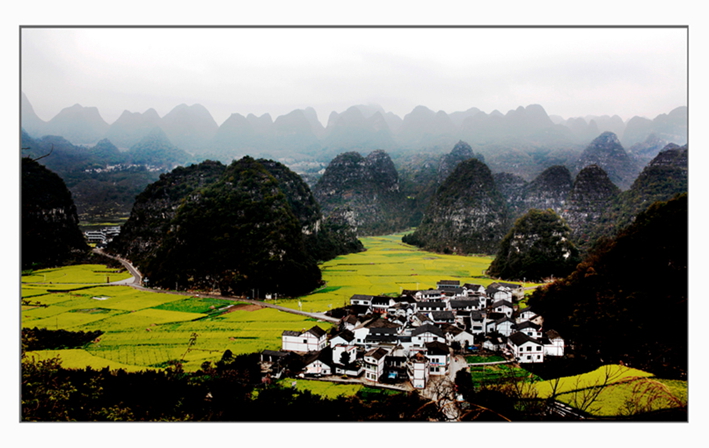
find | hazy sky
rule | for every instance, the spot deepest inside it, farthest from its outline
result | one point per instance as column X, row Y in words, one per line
column 569, row 71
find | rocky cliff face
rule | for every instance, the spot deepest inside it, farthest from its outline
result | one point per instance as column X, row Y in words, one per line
column 460, row 153
column 549, row 190
column 607, row 152
column 661, row 180
column 590, row 197
column 467, row 215
column 50, row 225
column 514, row 189
column 363, row 192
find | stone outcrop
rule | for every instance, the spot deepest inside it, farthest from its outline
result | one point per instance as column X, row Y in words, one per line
column 467, row 215
column 362, row 191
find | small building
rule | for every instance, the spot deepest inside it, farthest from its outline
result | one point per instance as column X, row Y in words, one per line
column 381, row 304
column 504, row 326
column 502, row 306
column 374, row 363
column 312, row 340
column 525, row 349
column 318, row 363
column 362, row 300
column 553, row 343
column 418, row 370
column 443, row 317
column 446, row 285
column 456, row 334
column 428, row 295
column 439, row 357
column 427, row 333
column 341, row 343
column 529, row 328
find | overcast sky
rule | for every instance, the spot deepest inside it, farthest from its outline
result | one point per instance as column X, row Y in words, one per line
column 569, row 71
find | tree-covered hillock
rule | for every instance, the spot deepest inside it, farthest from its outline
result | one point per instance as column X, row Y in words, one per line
column 50, row 225
column 612, row 307
column 156, row 207
column 467, row 215
column 536, row 248
column 236, row 235
column 252, row 225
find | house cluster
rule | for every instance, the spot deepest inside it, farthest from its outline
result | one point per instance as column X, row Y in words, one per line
column 411, row 337
column 103, row 236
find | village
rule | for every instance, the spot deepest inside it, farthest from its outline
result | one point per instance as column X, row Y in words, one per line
column 415, row 337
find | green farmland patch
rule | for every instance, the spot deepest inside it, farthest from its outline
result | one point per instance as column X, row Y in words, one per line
column 325, row 389
column 195, row 305
column 145, row 329
column 77, row 274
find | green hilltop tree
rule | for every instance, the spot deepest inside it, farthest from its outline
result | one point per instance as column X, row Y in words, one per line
column 536, row 247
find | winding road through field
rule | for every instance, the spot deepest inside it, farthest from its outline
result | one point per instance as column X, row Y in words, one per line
column 136, row 281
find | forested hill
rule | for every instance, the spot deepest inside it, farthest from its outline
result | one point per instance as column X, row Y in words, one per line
column 613, row 306
column 252, row 224
column 50, row 231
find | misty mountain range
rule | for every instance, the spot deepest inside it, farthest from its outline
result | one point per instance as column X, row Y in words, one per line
column 299, row 134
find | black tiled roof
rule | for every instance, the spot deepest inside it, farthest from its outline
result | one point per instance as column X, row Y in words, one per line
column 317, row 331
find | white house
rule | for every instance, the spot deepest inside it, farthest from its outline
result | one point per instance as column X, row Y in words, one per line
column 318, row 363
column 525, row 349
column 553, row 344
column 454, row 333
column 312, row 340
column 526, row 314
column 360, row 299
column 343, row 342
column 504, row 326
column 439, row 357
column 430, row 294
column 502, row 306
column 374, row 363
column 418, row 370
column 529, row 328
column 381, row 304
column 425, row 334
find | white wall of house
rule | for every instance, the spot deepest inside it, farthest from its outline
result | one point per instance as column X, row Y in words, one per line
column 305, row 342
column 556, row 348
column 318, row 367
column 373, row 368
column 528, row 352
column 339, row 349
column 418, row 373
column 504, row 328
column 438, row 364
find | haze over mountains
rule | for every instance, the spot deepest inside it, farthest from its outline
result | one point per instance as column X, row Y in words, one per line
column 300, row 134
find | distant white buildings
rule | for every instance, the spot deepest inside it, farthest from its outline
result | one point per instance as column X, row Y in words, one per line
column 412, row 336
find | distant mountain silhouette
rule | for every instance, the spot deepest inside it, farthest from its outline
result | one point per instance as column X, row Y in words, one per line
column 189, row 127
column 78, row 124
column 364, row 127
column 131, row 127
column 607, row 152
column 29, row 120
